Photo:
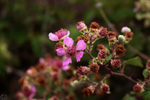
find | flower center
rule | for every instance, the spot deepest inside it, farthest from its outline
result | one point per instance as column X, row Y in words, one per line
column 71, row 51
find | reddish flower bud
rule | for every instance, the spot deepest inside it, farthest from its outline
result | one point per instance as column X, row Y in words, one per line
column 87, row 92
column 54, row 98
column 94, row 68
column 148, row 64
column 41, row 80
column 82, row 37
column 116, row 63
column 128, row 36
column 138, row 88
column 105, row 88
column 111, row 35
column 102, row 32
column 82, row 27
column 29, row 91
column 71, row 97
column 102, row 55
column 94, row 27
column 100, row 47
column 120, row 50
column 81, row 71
column 58, row 45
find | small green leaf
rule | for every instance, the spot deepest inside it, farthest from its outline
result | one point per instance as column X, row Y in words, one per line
column 134, row 62
column 145, row 72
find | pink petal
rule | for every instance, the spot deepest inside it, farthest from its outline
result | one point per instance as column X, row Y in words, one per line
column 67, row 61
column 79, row 56
column 53, row 37
column 68, row 41
column 81, row 45
column 60, row 51
column 68, row 33
column 65, row 68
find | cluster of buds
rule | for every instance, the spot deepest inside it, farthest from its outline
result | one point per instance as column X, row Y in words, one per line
column 47, row 71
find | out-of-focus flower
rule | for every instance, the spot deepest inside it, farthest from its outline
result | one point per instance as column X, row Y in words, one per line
column 29, row 91
column 54, row 98
column 71, row 50
column 59, row 35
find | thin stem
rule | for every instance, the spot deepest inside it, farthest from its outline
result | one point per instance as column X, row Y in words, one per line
column 138, row 52
column 125, row 76
column 105, row 78
column 89, row 54
column 122, row 70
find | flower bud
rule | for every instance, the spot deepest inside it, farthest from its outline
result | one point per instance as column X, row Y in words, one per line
column 120, row 50
column 41, row 80
column 111, row 35
column 105, row 88
column 82, row 37
column 102, row 55
column 128, row 36
column 58, row 45
column 121, row 38
column 148, row 64
column 94, row 68
column 94, row 28
column 125, row 29
column 81, row 71
column 116, row 63
column 71, row 97
column 28, row 91
column 82, row 27
column 74, row 83
column 54, row 98
column 87, row 92
column 100, row 47
column 138, row 88
column 102, row 32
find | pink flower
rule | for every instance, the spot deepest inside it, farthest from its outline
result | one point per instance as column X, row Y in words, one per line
column 70, row 50
column 58, row 35
column 29, row 91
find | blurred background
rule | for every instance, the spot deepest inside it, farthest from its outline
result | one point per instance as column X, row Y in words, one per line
column 25, row 24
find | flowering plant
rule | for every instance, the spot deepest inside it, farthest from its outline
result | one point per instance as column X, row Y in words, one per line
column 109, row 59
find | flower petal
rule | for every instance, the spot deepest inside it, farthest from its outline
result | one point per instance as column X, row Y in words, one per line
column 68, row 33
column 65, row 68
column 53, row 37
column 79, row 56
column 68, row 41
column 67, row 61
column 60, row 51
column 81, row 45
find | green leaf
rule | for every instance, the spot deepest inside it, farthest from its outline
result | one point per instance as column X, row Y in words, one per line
column 147, row 93
column 145, row 72
column 134, row 62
